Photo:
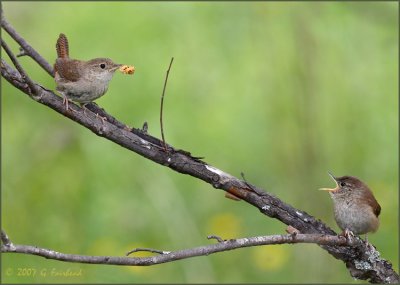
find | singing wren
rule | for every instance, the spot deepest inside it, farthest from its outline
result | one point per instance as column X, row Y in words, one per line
column 355, row 207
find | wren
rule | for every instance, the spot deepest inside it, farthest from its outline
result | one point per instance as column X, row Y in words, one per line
column 355, row 207
column 78, row 80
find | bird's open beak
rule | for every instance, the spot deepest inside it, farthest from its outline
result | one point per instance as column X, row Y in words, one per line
column 331, row 189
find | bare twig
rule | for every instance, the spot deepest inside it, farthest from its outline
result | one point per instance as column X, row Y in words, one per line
column 27, row 48
column 162, row 104
column 22, row 52
column 219, row 239
column 169, row 256
column 251, row 187
column 25, row 77
column 145, row 127
column 5, row 239
column 139, row 249
column 13, row 76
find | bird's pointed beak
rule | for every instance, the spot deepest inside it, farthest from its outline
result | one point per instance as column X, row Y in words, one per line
column 116, row 66
column 331, row 189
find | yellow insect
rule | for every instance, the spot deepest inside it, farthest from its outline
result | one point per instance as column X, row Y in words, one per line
column 127, row 69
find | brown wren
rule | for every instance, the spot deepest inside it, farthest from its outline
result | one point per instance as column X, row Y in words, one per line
column 78, row 80
column 356, row 209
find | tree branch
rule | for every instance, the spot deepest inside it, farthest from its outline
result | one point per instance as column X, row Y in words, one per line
column 169, row 256
column 361, row 262
column 5, row 240
column 24, row 76
column 26, row 47
column 162, row 104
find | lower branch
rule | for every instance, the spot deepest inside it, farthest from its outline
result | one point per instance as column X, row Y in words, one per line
column 169, row 256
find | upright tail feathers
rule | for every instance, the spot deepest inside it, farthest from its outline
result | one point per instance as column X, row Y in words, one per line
column 62, row 46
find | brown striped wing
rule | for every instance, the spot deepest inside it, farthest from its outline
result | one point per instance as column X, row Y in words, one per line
column 68, row 69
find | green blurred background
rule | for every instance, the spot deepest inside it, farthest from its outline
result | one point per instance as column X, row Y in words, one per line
column 281, row 91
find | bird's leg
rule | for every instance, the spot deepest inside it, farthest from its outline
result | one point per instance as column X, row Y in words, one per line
column 65, row 102
column 103, row 119
column 83, row 105
column 348, row 234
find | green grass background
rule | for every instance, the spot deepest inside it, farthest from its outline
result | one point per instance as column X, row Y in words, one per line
column 281, row 91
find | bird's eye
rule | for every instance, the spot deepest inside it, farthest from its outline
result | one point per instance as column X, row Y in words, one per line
column 102, row 66
column 342, row 184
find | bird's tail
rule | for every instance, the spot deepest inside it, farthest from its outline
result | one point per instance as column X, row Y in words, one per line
column 62, row 47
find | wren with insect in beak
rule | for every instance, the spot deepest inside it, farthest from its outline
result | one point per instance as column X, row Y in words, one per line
column 355, row 207
column 83, row 81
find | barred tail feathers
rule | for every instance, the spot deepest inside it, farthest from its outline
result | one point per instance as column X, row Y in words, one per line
column 62, row 46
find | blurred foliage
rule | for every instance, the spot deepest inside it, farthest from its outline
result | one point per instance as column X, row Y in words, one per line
column 281, row 91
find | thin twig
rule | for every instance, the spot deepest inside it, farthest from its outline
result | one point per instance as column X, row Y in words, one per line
column 14, row 76
column 145, row 128
column 219, row 239
column 152, row 250
column 27, row 48
column 162, row 104
column 26, row 78
column 5, row 239
column 251, row 187
column 22, row 52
